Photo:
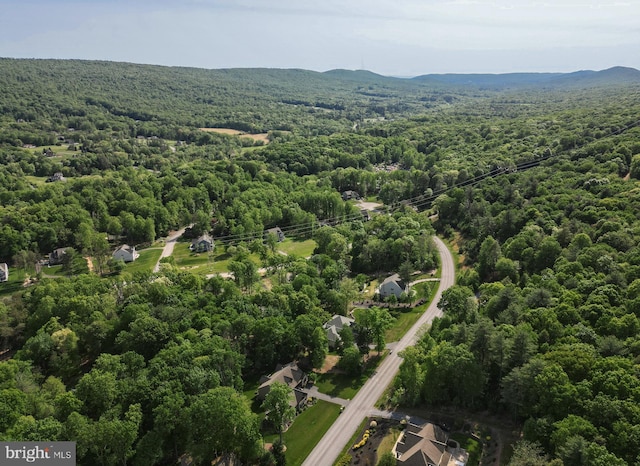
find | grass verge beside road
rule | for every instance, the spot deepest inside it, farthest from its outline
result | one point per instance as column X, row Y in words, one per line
column 307, row 430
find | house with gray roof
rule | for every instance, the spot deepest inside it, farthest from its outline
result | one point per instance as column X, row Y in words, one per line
column 277, row 232
column 291, row 375
column 392, row 286
column 126, row 253
column 4, row 272
column 333, row 328
column 203, row 243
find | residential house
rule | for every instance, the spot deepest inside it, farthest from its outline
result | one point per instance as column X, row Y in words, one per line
column 422, row 446
column 203, row 243
column 392, row 286
column 366, row 215
column 57, row 176
column 334, row 327
column 4, row 272
column 348, row 195
column 57, row 256
column 126, row 253
column 276, row 231
column 290, row 375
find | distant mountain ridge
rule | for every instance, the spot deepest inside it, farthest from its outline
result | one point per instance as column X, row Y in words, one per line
column 614, row 76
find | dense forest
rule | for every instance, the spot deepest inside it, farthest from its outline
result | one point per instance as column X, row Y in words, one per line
column 533, row 178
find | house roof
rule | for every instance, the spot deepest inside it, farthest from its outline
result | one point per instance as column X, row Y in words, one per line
column 275, row 231
column 288, row 374
column 126, row 248
column 332, row 334
column 339, row 322
column 423, row 446
column 206, row 238
column 4, row 269
column 395, row 278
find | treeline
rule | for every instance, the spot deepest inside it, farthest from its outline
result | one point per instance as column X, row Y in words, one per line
column 544, row 325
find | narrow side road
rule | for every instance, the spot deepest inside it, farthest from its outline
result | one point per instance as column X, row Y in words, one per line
column 327, row 450
column 169, row 244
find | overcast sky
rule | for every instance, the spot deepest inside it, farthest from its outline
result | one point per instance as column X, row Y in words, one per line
column 390, row 37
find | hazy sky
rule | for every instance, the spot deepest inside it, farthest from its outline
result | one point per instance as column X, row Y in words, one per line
column 391, row 37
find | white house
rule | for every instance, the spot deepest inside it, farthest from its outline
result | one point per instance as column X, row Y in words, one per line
column 126, row 253
column 392, row 286
column 4, row 272
column 334, row 327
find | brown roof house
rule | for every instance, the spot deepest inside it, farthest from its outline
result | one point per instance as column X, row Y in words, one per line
column 428, row 445
column 334, row 327
column 290, row 375
column 203, row 243
column 4, row 272
column 392, row 286
column 126, row 253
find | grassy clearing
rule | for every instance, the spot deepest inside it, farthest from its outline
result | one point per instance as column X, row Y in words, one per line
column 146, row 262
column 307, row 430
column 36, row 180
column 204, row 263
column 473, row 447
column 297, row 248
column 14, row 284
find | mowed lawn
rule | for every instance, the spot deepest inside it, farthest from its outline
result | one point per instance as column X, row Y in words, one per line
column 340, row 385
column 204, row 263
column 307, row 430
column 297, row 248
column 146, row 262
column 14, row 284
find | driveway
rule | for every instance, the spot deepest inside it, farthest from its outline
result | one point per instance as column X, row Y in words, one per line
column 169, row 244
column 327, row 450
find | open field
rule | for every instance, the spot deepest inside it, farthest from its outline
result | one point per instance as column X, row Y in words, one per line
column 264, row 137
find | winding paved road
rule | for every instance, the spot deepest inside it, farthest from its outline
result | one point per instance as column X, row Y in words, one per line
column 327, row 450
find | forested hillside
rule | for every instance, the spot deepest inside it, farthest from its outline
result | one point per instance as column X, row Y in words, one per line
column 537, row 187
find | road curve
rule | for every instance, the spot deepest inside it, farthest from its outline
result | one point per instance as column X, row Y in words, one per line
column 327, row 450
